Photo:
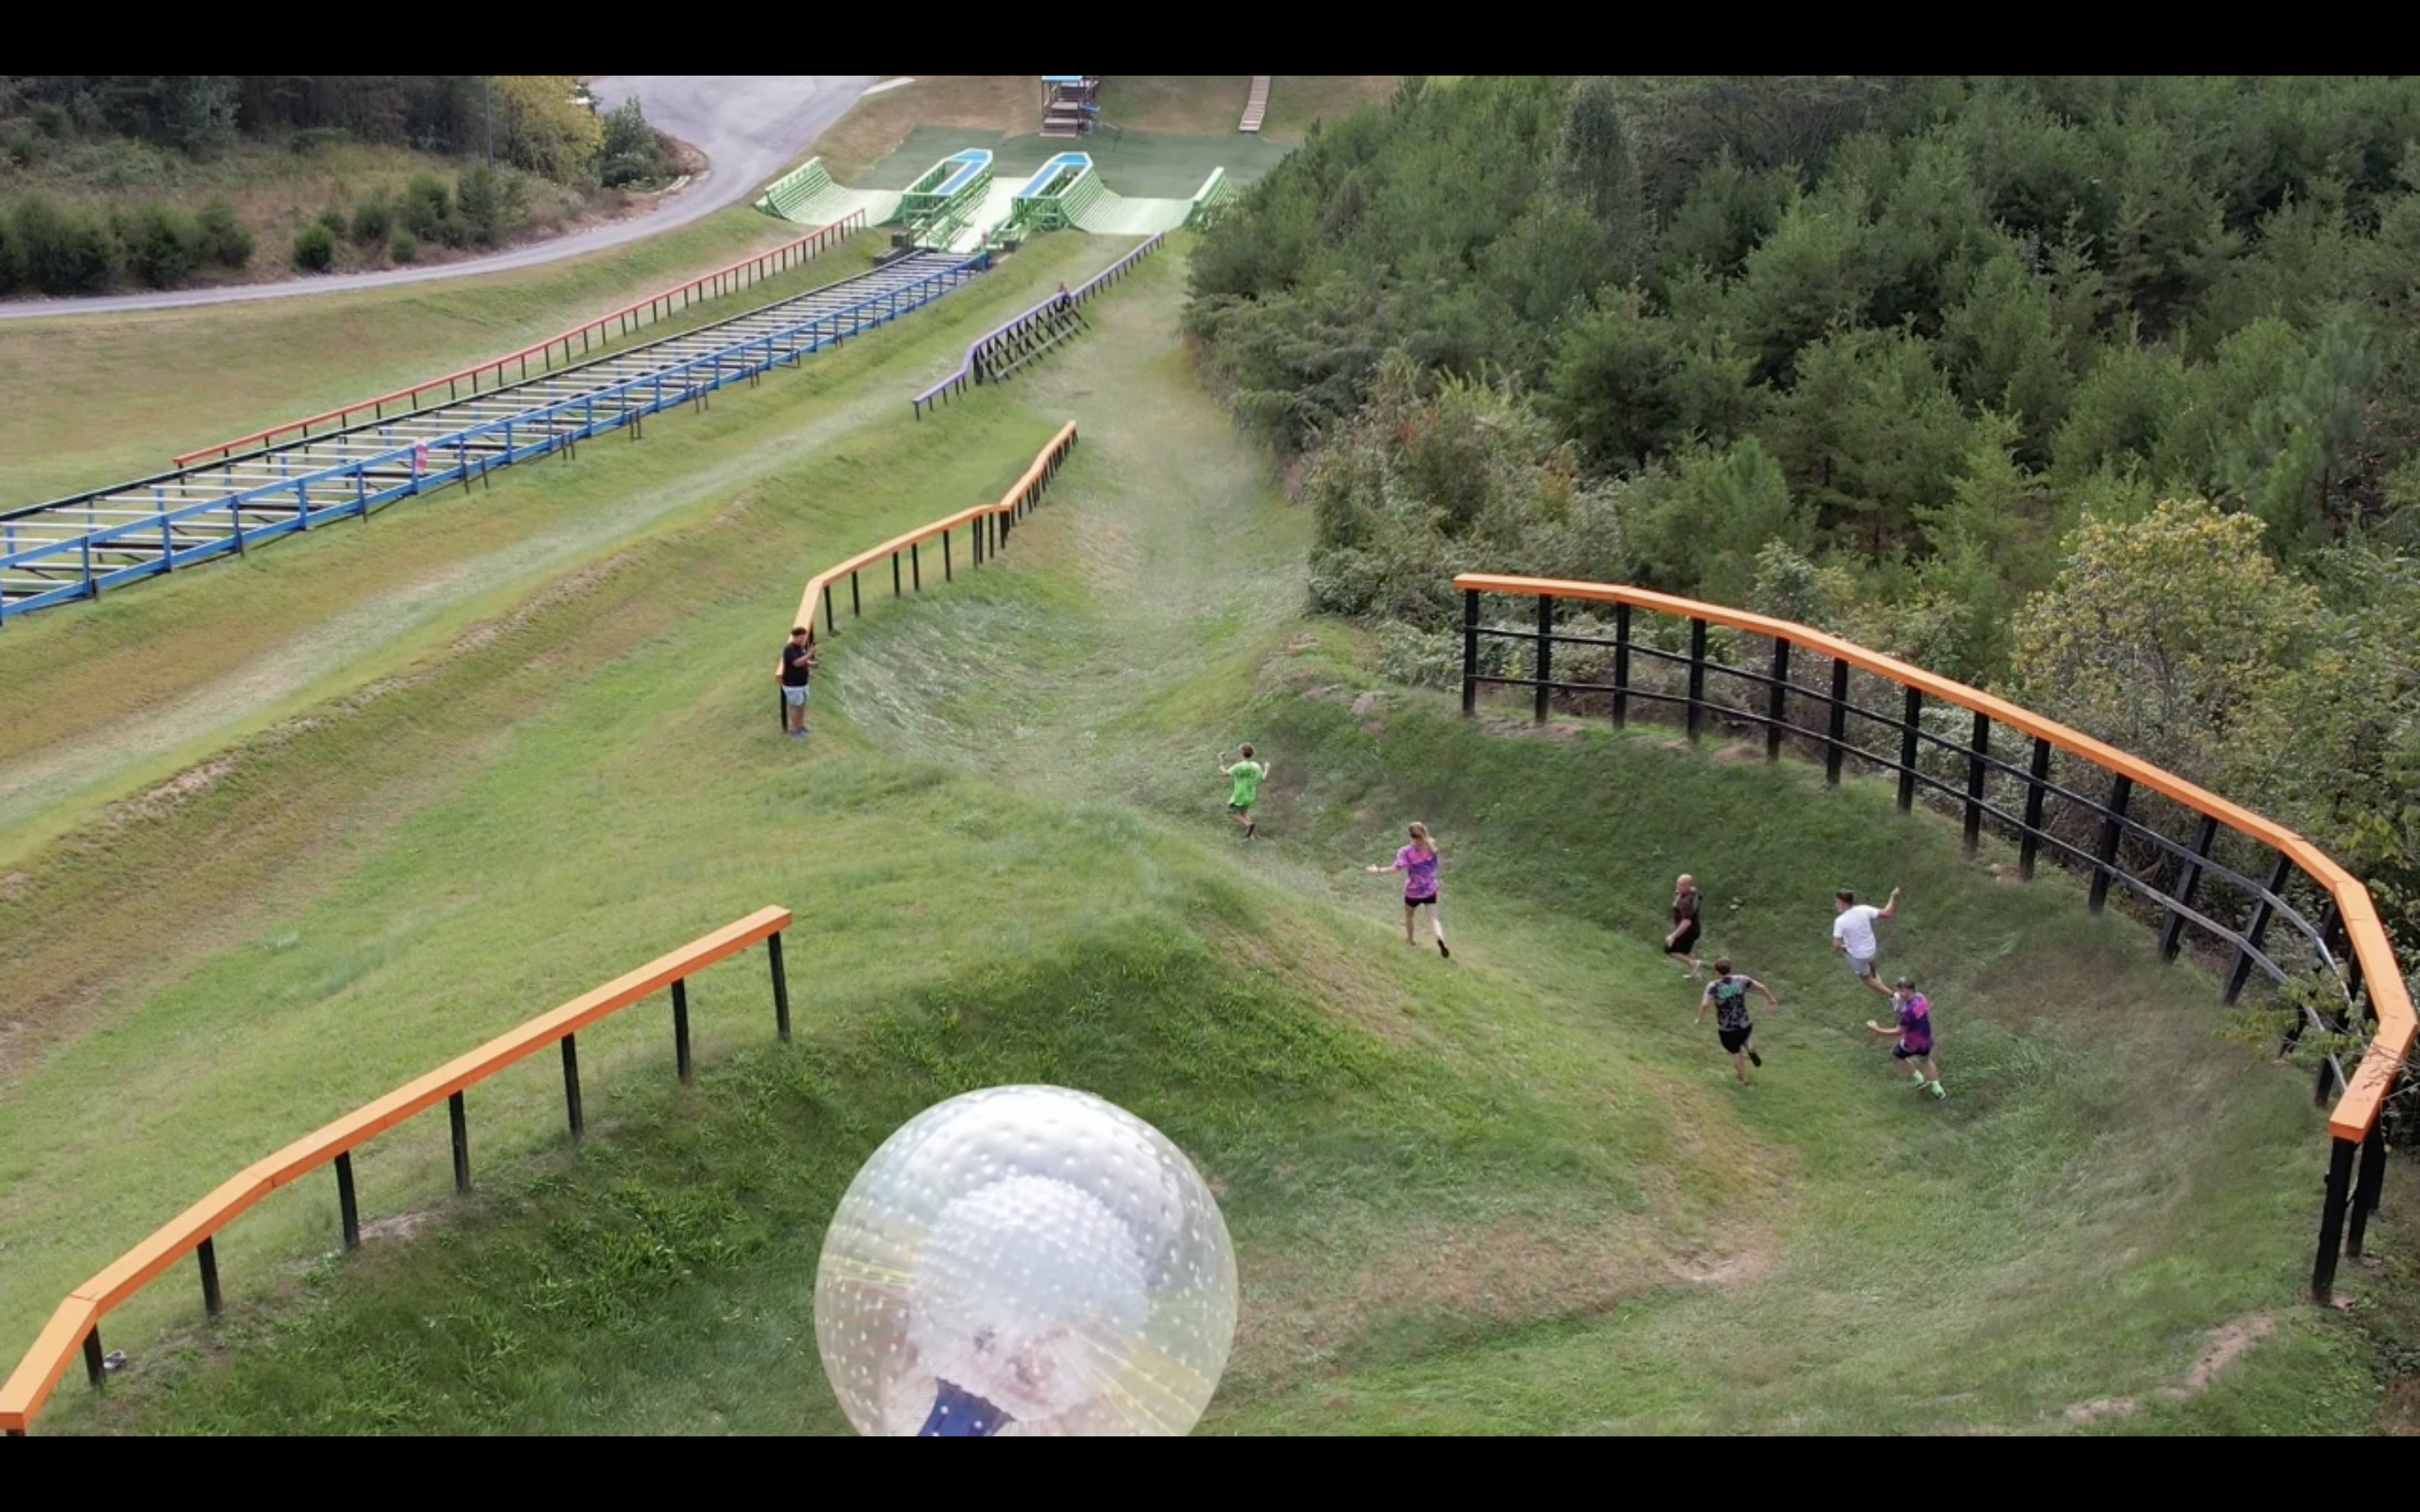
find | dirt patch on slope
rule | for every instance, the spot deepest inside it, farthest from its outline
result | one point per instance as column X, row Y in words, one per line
column 2226, row 1344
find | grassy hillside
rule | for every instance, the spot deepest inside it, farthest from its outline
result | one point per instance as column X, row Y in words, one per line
column 1514, row 1191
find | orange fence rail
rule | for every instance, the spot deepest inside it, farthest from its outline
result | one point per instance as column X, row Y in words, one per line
column 744, row 274
column 76, row 1322
column 987, row 528
column 2352, row 1123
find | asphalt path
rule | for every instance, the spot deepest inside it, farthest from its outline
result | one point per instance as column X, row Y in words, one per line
column 748, row 126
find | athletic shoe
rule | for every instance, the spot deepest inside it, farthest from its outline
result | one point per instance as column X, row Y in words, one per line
column 1443, row 951
column 1937, row 1091
column 1919, row 1078
column 1251, row 829
column 1756, row 1060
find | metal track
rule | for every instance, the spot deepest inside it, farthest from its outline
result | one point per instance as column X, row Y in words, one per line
column 76, row 548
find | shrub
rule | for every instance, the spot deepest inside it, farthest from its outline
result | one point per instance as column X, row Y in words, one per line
column 405, row 247
column 311, row 140
column 335, row 220
column 65, row 251
column 20, row 147
column 163, row 246
column 427, row 210
column 225, row 242
column 315, row 248
column 373, row 221
column 632, row 152
column 490, row 204
column 12, row 261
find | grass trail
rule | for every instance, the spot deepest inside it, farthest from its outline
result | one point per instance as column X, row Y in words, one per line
column 1513, row 1193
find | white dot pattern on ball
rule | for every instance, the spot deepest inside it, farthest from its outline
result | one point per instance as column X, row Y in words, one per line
column 1038, row 1247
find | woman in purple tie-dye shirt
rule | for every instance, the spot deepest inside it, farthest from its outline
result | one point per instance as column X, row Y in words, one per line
column 1418, row 861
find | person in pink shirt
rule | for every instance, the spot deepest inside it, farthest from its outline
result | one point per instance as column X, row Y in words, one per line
column 1418, row 861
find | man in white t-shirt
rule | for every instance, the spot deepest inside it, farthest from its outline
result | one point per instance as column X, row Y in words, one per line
column 1852, row 934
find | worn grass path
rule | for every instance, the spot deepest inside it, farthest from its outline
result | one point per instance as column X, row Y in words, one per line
column 1516, row 1191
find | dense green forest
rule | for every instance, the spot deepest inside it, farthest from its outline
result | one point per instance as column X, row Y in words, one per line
column 2102, row 392
column 159, row 179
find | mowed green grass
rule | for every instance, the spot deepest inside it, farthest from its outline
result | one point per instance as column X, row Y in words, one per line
column 1515, row 1192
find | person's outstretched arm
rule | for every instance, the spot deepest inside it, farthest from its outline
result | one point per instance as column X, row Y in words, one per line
column 1890, row 908
column 1767, row 991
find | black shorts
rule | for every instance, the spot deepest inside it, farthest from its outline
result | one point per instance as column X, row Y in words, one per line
column 1429, row 902
column 1735, row 1041
column 1910, row 1052
column 1239, row 808
column 1685, row 940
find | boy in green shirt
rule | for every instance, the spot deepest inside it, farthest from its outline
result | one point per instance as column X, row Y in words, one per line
column 1246, row 773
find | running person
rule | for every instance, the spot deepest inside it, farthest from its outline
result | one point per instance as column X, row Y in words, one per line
column 1248, row 774
column 1915, row 1031
column 1418, row 861
column 1683, row 937
column 1852, row 934
column 797, row 667
column 1728, row 995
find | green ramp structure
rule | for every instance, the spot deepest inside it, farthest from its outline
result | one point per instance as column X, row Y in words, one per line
column 808, row 195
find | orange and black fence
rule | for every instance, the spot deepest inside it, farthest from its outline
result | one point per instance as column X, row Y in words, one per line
column 2260, row 897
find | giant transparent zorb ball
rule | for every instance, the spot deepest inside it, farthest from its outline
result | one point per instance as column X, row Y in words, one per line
column 1026, row 1260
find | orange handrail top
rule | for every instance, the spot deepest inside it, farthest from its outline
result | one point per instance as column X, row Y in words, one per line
column 37, row 1373
column 1007, row 504
column 2356, row 1112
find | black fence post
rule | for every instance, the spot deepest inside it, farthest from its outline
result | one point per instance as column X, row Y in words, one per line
column 1545, row 666
column 1839, row 724
column 2331, row 1219
column 2261, row 913
column 1620, row 665
column 948, row 576
column 2037, row 774
column 1470, row 651
column 832, row 626
column 894, row 575
column 458, row 1116
column 1911, row 719
column 780, row 988
column 2104, row 855
column 2370, row 1177
column 2172, row 934
column 206, row 1254
column 1776, row 700
column 1697, row 677
column 1977, row 752
column 347, row 1209
column 680, row 1028
column 856, row 605
column 915, row 567
column 96, row 1368
column 571, row 1086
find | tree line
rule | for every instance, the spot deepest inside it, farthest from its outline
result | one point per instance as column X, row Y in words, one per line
column 2103, row 393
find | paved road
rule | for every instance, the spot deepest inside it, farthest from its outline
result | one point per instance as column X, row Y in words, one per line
column 748, row 126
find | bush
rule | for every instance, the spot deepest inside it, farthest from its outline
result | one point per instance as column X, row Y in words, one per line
column 65, row 251
column 427, row 210
column 335, row 220
column 225, row 242
column 405, row 247
column 311, row 140
column 163, row 246
column 12, row 261
column 492, row 204
column 632, row 153
column 315, row 248
column 20, row 147
column 373, row 221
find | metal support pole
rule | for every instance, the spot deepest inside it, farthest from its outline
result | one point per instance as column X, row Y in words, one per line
column 1839, row 725
column 1977, row 751
column 1545, row 664
column 915, row 567
column 2261, row 913
column 856, row 606
column 2036, row 775
column 2172, row 932
column 1469, row 650
column 681, row 1027
column 2105, row 855
column 1620, row 665
column 94, row 1369
column 347, row 1209
column 2368, row 1179
column 1776, row 700
column 207, row 1255
column 947, row 576
column 1911, row 720
column 458, row 1116
column 571, row 1086
column 831, row 626
column 780, row 988
column 1696, row 678
column 894, row 575
column 2331, row 1221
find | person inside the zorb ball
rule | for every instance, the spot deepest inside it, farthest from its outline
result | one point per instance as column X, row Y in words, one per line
column 1021, row 1304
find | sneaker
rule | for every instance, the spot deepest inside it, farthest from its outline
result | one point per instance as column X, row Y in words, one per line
column 1443, row 951
column 1756, row 1060
column 1937, row 1091
column 1250, row 830
column 1919, row 1078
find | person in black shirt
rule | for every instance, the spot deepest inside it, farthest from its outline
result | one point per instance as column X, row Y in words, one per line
column 1683, row 937
column 798, row 666
column 1727, row 995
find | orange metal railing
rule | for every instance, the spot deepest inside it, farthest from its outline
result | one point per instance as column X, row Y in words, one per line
column 741, row 274
column 76, row 1322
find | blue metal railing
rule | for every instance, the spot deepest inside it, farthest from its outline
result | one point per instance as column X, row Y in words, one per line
column 391, row 473
column 971, row 368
